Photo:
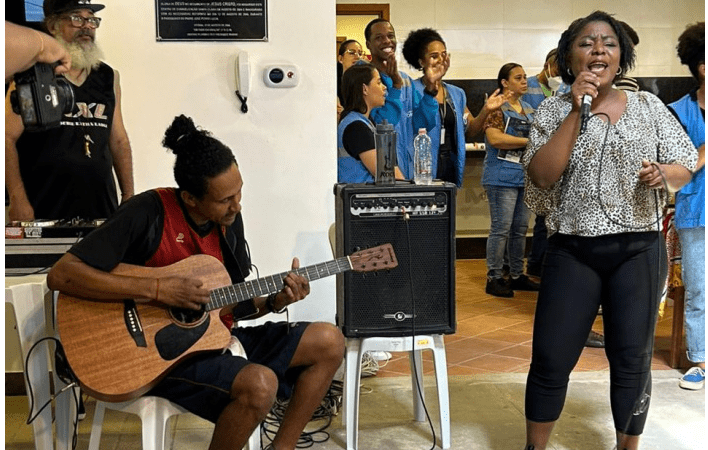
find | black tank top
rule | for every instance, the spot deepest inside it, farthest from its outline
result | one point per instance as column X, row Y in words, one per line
column 62, row 181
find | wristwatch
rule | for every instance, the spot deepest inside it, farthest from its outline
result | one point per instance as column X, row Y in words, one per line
column 270, row 304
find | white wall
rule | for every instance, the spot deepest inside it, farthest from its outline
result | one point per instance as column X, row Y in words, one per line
column 284, row 144
column 482, row 35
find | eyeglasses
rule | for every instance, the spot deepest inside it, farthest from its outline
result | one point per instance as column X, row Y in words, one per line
column 356, row 53
column 78, row 21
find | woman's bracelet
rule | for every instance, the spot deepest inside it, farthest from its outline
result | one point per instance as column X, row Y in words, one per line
column 41, row 41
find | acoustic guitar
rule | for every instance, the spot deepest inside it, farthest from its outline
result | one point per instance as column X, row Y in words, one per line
column 120, row 349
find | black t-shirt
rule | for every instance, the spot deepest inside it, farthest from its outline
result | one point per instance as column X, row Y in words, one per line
column 358, row 138
column 133, row 233
column 62, row 181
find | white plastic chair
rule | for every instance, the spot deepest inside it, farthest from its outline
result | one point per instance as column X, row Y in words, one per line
column 27, row 296
column 355, row 349
column 352, row 367
column 154, row 412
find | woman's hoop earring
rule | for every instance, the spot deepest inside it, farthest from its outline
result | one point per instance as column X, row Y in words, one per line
column 569, row 72
column 619, row 71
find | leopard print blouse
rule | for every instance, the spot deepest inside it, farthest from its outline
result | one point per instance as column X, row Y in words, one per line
column 599, row 192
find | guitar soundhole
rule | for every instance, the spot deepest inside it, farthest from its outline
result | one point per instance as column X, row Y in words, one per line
column 188, row 317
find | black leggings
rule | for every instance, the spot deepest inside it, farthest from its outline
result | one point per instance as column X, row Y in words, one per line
column 620, row 273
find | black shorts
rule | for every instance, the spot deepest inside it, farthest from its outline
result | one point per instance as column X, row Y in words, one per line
column 202, row 384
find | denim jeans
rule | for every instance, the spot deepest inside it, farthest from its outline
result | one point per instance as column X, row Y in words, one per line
column 693, row 273
column 510, row 220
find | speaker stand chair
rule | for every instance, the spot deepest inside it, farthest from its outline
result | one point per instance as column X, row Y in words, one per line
column 355, row 349
column 354, row 353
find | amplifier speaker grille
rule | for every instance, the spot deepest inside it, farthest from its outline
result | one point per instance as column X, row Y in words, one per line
column 382, row 304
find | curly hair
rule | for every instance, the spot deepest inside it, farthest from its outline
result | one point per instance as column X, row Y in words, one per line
column 417, row 43
column 199, row 155
column 627, row 54
column 691, row 47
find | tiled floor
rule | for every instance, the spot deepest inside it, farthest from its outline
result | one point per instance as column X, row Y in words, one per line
column 493, row 336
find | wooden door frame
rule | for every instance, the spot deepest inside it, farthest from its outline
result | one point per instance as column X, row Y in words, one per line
column 382, row 10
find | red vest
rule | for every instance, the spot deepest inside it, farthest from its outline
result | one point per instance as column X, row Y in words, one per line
column 179, row 240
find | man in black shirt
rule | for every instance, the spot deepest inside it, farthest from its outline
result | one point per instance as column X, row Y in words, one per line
column 67, row 172
column 203, row 216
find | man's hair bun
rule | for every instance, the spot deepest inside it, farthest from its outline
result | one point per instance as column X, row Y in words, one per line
column 179, row 134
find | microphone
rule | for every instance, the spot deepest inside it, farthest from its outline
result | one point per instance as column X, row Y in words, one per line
column 585, row 112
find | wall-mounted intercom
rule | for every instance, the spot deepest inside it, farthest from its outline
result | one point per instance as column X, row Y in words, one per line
column 281, row 76
column 243, row 79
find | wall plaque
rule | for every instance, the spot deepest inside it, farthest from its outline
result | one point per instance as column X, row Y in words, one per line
column 207, row 20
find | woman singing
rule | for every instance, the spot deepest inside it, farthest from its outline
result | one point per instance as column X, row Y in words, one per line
column 602, row 191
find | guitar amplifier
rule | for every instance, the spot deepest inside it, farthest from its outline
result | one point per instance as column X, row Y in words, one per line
column 34, row 247
column 417, row 297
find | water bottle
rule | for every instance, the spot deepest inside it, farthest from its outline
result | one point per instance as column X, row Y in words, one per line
column 423, row 158
column 385, row 140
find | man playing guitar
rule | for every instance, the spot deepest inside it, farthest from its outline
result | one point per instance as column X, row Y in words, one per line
column 161, row 227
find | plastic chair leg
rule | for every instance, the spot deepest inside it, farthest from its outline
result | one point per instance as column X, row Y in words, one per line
column 27, row 299
column 443, row 390
column 416, row 362
column 352, row 370
column 96, row 426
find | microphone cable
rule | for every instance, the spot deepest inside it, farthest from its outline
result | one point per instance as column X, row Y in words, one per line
column 641, row 404
column 406, row 220
column 66, row 376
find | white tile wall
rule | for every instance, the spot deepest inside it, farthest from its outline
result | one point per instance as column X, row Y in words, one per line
column 483, row 35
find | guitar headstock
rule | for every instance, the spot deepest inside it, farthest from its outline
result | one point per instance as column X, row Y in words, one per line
column 373, row 259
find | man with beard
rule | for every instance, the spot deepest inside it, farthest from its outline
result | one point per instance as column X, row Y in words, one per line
column 67, row 172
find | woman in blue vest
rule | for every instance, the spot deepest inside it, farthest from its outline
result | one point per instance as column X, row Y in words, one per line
column 424, row 48
column 505, row 136
column 690, row 218
column 362, row 90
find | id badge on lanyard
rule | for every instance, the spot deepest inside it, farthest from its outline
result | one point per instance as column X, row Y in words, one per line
column 443, row 114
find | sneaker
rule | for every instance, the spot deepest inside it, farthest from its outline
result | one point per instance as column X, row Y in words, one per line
column 694, row 379
column 498, row 287
column 380, row 355
column 505, row 270
column 595, row 340
column 524, row 283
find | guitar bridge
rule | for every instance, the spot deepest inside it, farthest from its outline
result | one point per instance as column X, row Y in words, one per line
column 132, row 323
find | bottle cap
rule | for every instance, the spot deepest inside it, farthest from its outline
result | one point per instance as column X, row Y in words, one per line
column 384, row 127
column 422, row 131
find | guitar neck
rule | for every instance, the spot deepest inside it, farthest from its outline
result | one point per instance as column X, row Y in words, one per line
column 229, row 295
